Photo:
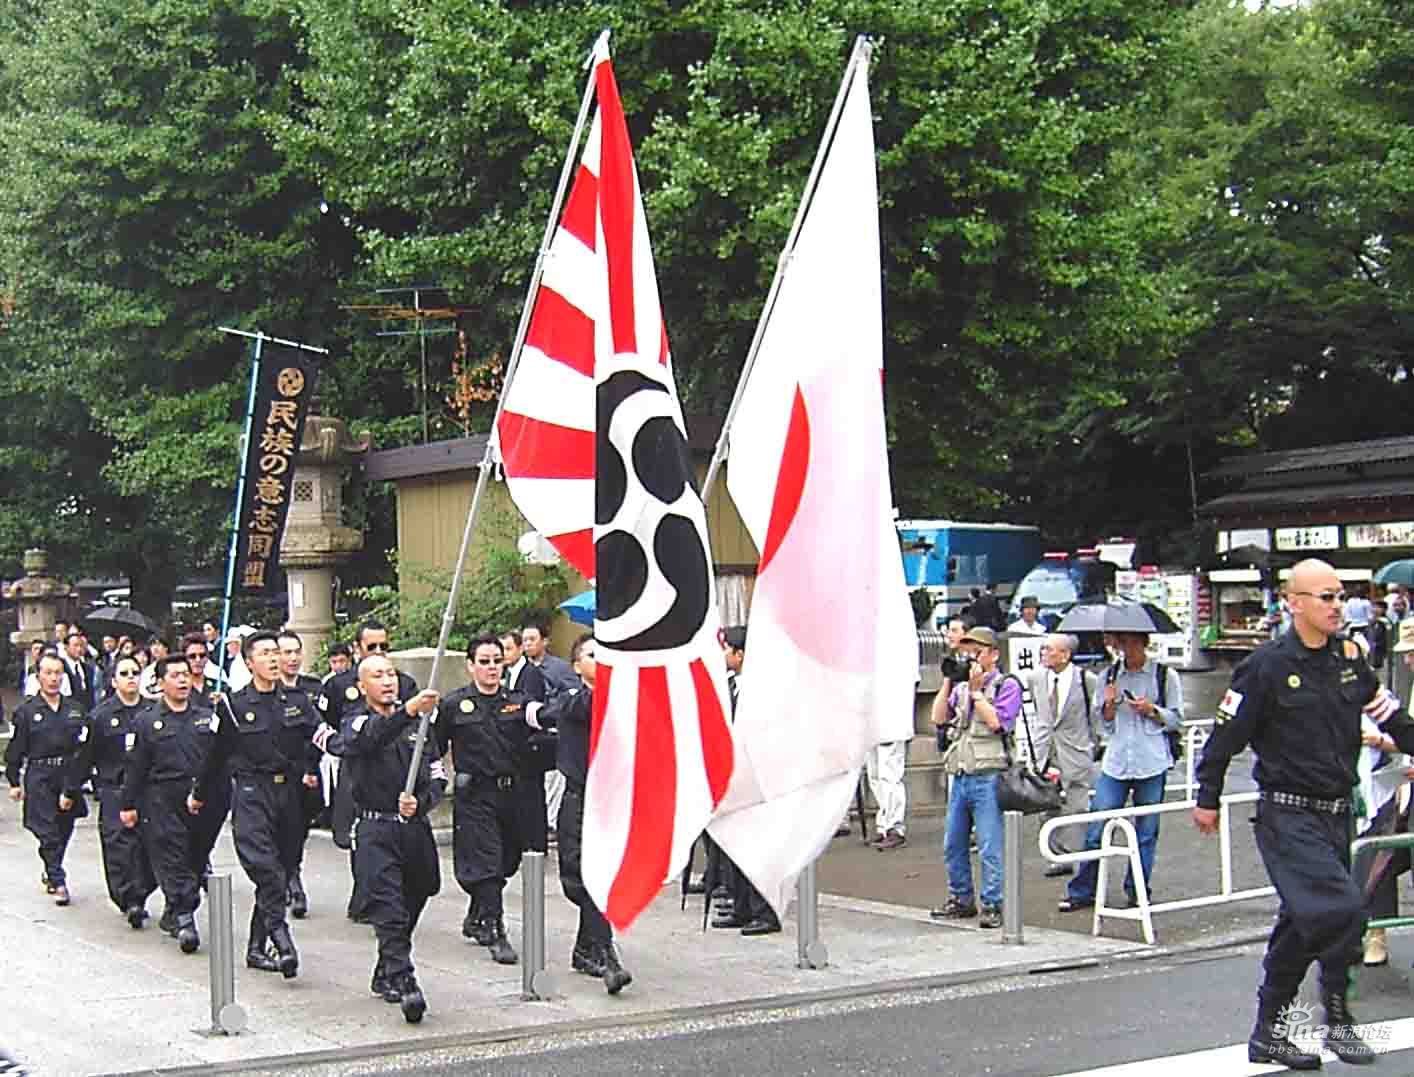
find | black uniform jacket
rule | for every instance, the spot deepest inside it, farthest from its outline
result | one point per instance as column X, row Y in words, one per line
column 43, row 733
column 171, row 746
column 485, row 733
column 572, row 713
column 377, row 750
column 107, row 745
column 263, row 733
column 1299, row 708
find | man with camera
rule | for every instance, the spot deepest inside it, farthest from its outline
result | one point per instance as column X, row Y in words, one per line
column 980, row 712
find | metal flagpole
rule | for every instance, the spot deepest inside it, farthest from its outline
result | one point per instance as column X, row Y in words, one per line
column 488, row 458
column 863, row 49
column 255, row 350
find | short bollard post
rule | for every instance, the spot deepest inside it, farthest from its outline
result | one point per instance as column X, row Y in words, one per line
column 1011, row 878
column 810, row 951
column 534, row 977
column 227, row 1016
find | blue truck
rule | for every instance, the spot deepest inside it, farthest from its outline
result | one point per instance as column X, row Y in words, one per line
column 951, row 557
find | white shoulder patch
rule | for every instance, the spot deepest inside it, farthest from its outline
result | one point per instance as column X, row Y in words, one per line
column 358, row 723
column 438, row 770
column 323, row 703
column 1231, row 702
column 83, row 734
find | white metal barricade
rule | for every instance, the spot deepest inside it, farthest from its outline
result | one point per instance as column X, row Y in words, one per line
column 1195, row 734
column 1119, row 822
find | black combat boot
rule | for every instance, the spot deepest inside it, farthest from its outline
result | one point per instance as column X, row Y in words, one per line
column 257, row 953
column 136, row 915
column 187, row 936
column 285, row 951
column 474, row 926
column 502, row 952
column 168, row 922
column 587, row 959
column 411, row 999
column 616, row 977
column 296, row 898
column 1341, row 1038
column 1270, row 1040
column 383, row 986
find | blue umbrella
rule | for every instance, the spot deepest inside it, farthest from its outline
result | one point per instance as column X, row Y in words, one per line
column 580, row 608
column 1396, row 572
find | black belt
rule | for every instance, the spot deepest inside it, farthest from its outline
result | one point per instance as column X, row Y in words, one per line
column 50, row 761
column 262, row 776
column 381, row 816
column 1339, row 806
column 498, row 781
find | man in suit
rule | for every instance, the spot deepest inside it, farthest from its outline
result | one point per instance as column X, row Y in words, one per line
column 557, row 677
column 1063, row 733
column 84, row 680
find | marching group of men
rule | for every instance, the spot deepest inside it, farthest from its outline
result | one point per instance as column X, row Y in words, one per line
column 167, row 772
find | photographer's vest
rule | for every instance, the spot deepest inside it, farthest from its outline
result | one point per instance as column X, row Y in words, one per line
column 977, row 750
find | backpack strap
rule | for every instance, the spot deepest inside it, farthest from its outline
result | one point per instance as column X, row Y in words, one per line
column 1161, row 677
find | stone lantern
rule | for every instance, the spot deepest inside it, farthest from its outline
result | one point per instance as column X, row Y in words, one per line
column 316, row 540
column 39, row 595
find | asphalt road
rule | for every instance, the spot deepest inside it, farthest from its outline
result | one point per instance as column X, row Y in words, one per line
column 1035, row 1026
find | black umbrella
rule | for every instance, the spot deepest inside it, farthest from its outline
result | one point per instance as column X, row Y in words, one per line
column 121, row 621
column 1117, row 616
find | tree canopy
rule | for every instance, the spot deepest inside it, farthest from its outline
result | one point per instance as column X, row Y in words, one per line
column 1119, row 240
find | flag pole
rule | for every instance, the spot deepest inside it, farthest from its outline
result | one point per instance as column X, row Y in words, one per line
column 257, row 346
column 863, row 50
column 488, row 458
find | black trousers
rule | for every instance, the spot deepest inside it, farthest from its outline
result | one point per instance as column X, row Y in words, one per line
column 486, row 842
column 593, row 927
column 207, row 824
column 267, row 823
column 43, row 819
column 167, row 834
column 126, row 868
column 398, row 871
column 1322, row 912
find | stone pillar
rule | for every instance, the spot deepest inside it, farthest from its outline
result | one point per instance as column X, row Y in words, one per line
column 316, row 541
column 39, row 595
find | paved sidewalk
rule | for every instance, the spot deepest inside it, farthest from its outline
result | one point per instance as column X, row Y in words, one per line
column 86, row 994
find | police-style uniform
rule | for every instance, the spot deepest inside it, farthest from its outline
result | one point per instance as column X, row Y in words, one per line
column 535, row 758
column 397, row 861
column 167, row 761
column 571, row 713
column 105, row 754
column 44, row 742
column 264, row 739
column 486, row 735
column 206, row 827
column 304, row 692
column 1300, row 709
column 339, row 697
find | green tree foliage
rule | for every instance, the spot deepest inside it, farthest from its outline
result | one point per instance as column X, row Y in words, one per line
column 145, row 207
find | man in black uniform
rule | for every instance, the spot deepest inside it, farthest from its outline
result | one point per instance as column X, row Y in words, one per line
column 301, row 690
column 206, row 828
column 397, row 856
column 1298, row 700
column 48, row 730
column 485, row 728
column 339, row 697
column 263, row 737
column 174, row 737
column 572, row 713
column 106, row 752
column 526, row 683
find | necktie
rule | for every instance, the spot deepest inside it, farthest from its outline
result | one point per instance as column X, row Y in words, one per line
column 1055, row 695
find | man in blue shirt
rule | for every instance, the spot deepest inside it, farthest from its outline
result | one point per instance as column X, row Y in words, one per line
column 982, row 711
column 1135, row 717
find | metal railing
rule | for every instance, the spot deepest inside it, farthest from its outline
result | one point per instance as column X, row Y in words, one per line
column 1196, row 732
column 1367, row 845
column 1119, row 822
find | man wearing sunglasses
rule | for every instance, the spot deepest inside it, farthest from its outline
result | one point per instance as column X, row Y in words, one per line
column 105, row 752
column 1298, row 700
column 339, row 697
column 485, row 727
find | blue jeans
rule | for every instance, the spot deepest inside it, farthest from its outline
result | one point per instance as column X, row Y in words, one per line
column 972, row 801
column 1111, row 793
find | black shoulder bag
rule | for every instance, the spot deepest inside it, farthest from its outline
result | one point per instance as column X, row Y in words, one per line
column 1020, row 787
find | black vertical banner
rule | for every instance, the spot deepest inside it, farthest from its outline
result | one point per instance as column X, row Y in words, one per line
column 282, row 398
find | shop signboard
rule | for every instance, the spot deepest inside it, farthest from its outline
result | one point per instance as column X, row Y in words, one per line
column 1379, row 536
column 1325, row 537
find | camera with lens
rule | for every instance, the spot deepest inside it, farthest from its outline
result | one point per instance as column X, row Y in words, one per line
column 957, row 667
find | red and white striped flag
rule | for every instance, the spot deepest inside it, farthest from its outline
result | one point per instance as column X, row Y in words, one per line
column 595, row 453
